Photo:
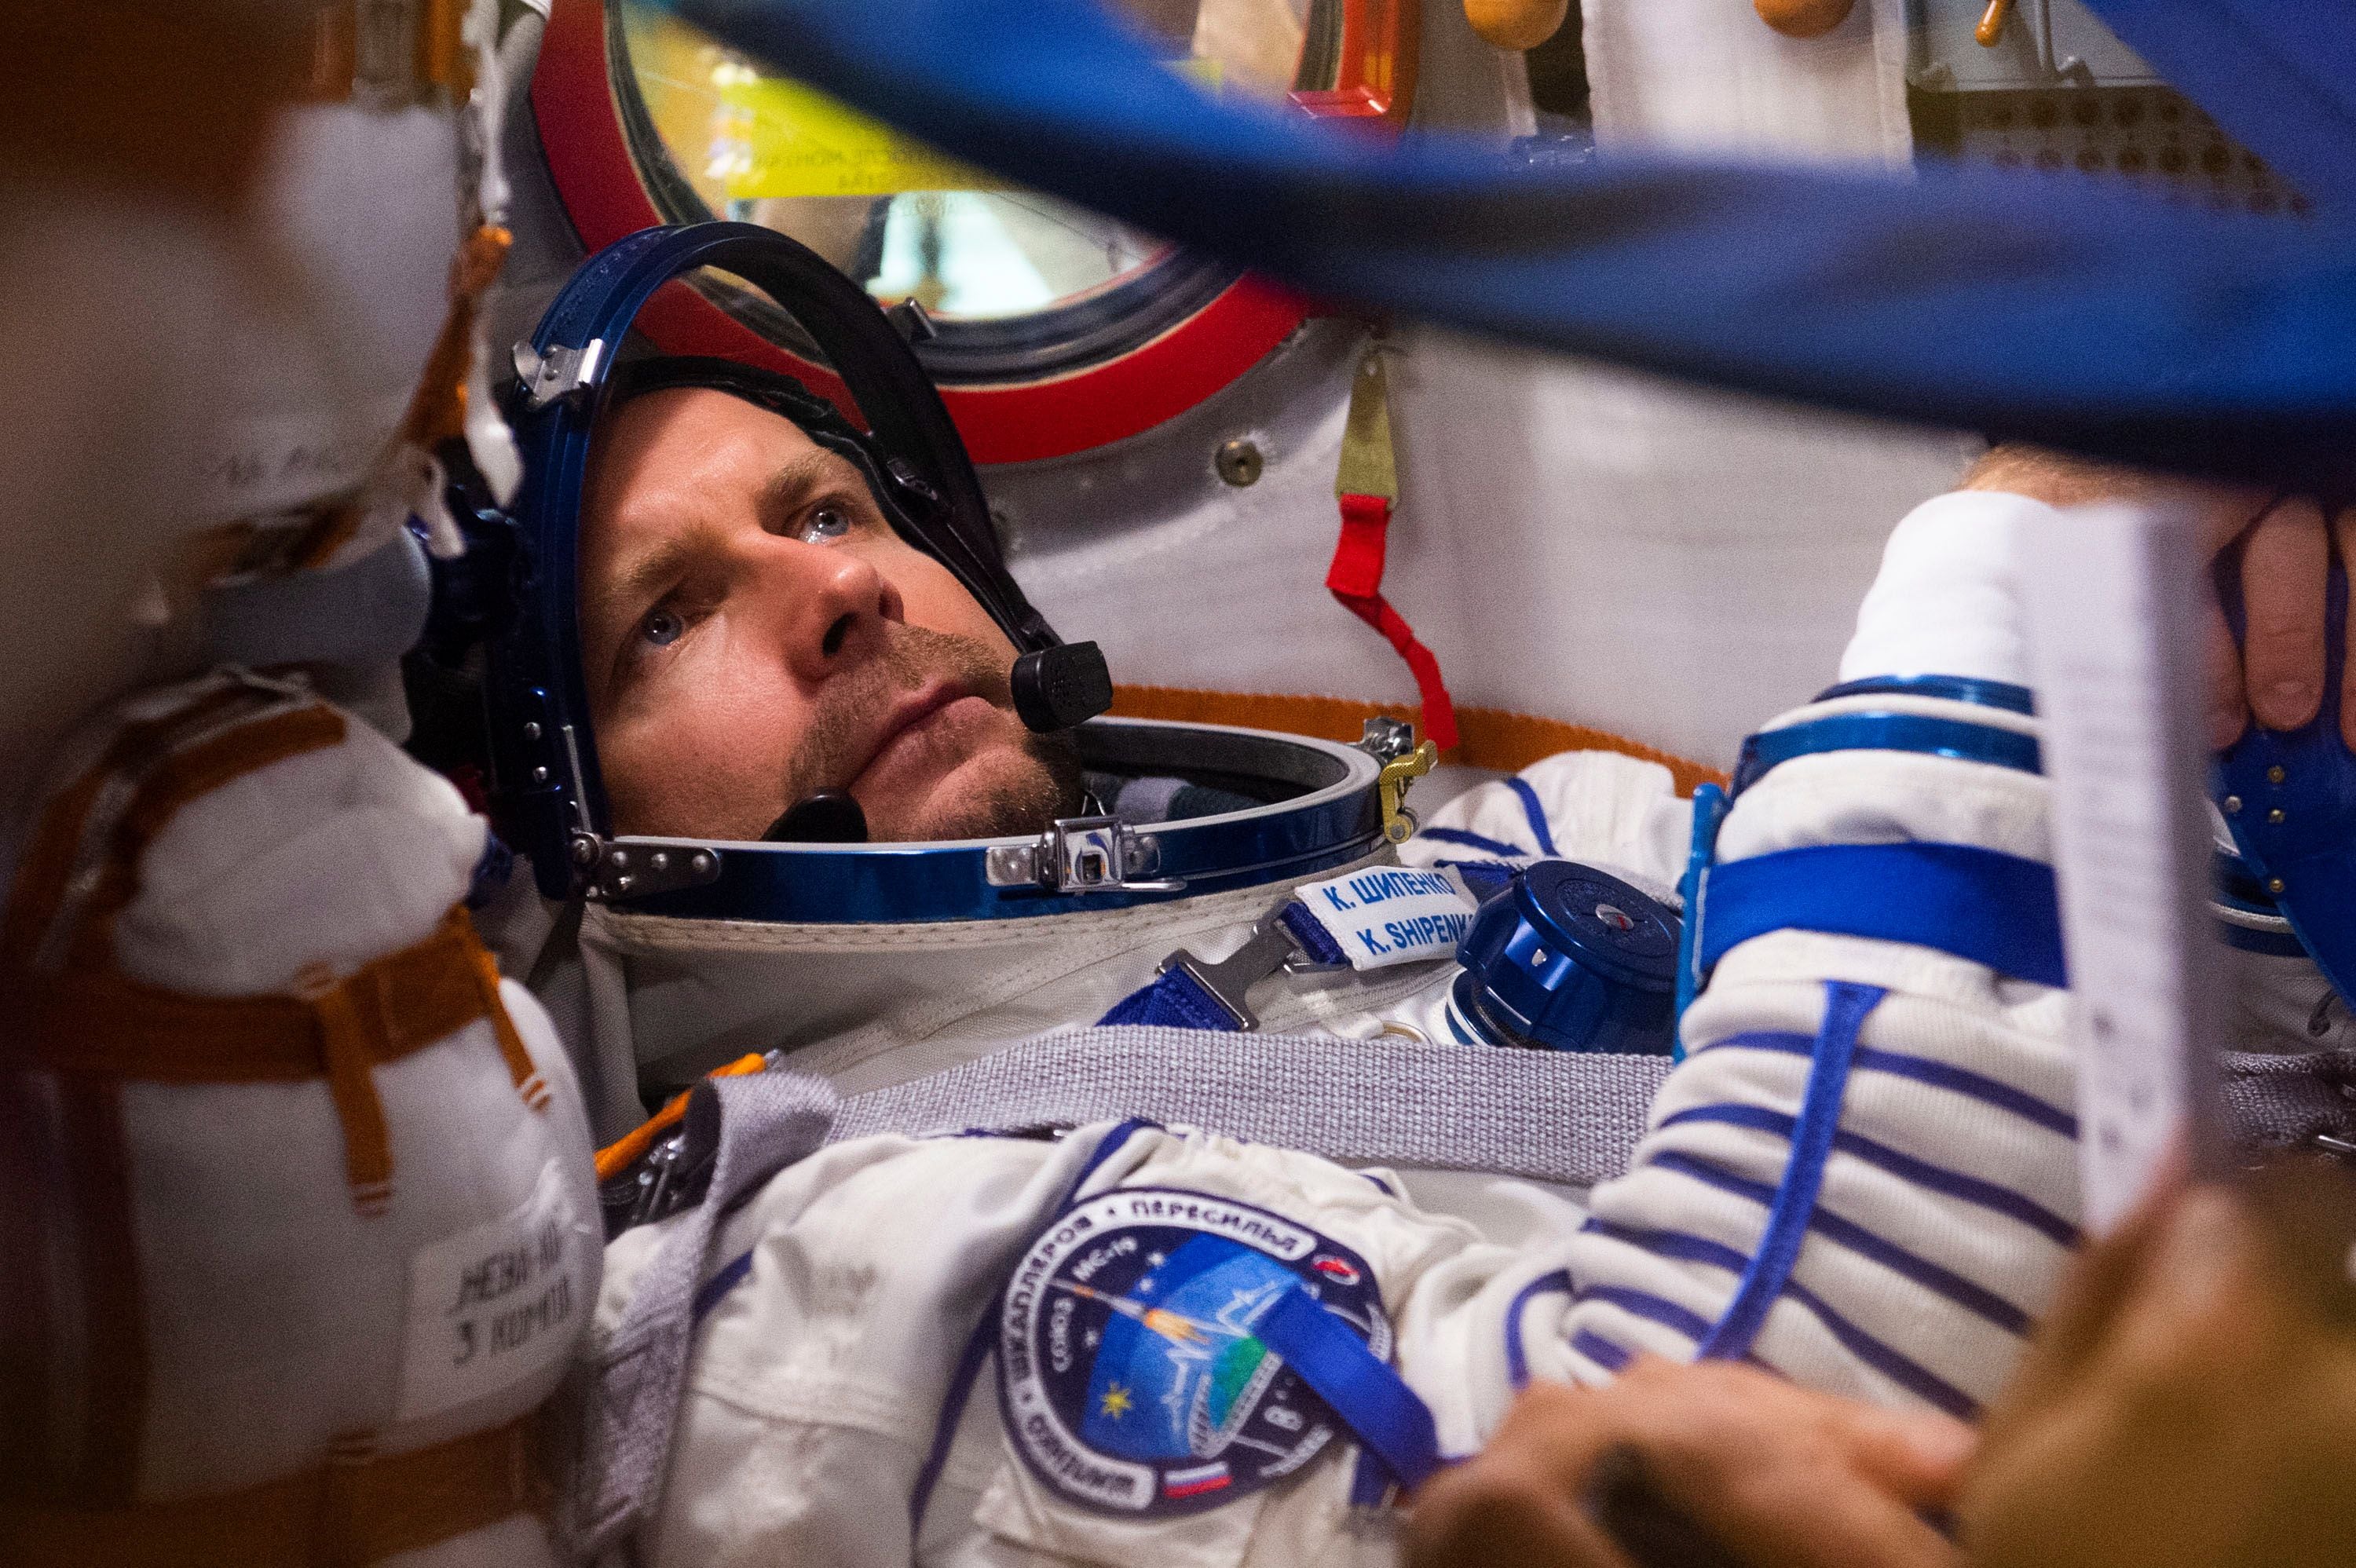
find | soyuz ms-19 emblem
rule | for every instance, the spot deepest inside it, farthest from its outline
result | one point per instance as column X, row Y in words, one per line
column 1129, row 1376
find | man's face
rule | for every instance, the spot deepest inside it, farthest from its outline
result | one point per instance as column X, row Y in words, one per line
column 753, row 630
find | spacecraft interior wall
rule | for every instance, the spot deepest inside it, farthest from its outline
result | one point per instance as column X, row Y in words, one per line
column 1574, row 540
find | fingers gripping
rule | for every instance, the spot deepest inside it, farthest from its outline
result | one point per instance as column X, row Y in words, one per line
column 2283, row 566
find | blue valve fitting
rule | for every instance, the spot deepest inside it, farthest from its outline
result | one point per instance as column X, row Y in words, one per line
column 1566, row 957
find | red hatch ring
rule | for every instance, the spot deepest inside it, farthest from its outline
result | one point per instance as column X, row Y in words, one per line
column 589, row 159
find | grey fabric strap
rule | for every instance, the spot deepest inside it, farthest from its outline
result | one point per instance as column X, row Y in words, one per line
column 767, row 1121
column 2286, row 1101
column 1571, row 1117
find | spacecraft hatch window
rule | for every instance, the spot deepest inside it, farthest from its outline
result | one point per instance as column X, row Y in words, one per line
column 1011, row 282
column 1050, row 330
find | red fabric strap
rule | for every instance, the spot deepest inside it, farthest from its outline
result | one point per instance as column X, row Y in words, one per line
column 1356, row 579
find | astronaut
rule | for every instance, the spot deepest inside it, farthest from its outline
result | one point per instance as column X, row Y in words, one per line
column 757, row 703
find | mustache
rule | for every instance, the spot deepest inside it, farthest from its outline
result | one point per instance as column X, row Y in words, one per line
column 843, row 717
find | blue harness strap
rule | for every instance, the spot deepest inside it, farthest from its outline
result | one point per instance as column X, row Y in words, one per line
column 1710, row 807
column 2105, row 320
column 1371, row 1399
column 1171, row 999
column 1731, row 1337
column 1177, row 998
column 1979, row 905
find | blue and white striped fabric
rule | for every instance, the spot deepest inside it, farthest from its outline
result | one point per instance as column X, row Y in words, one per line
column 1600, row 807
column 1948, row 1202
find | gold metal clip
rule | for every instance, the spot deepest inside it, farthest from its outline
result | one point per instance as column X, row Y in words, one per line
column 1391, row 786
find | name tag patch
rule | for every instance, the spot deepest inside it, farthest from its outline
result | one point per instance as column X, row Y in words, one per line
column 1392, row 915
column 497, row 1303
column 1130, row 1378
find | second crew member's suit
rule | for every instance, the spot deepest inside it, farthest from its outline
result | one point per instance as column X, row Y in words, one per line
column 857, row 1316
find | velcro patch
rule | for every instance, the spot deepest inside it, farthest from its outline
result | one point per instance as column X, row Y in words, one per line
column 1392, row 915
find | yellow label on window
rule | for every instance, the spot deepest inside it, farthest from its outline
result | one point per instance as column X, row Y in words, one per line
column 782, row 139
column 778, row 138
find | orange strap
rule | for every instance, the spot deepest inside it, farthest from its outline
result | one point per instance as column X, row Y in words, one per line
column 616, row 1157
column 102, row 1024
column 88, row 1018
column 343, row 1515
column 48, row 871
column 184, row 776
column 1487, row 737
column 1356, row 579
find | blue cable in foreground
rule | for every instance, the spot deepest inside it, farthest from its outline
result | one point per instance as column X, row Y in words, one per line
column 2062, row 310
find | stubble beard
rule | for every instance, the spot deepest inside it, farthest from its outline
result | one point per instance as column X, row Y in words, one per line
column 1044, row 784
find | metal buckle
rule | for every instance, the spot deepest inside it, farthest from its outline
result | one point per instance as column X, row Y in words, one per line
column 1268, row 949
column 1080, row 855
column 559, row 373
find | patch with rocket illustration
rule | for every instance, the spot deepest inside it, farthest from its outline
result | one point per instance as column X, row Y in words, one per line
column 1130, row 1378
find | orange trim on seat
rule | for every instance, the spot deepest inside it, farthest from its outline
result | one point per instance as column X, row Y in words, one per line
column 1487, row 737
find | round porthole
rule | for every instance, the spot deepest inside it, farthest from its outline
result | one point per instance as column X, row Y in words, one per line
column 1051, row 330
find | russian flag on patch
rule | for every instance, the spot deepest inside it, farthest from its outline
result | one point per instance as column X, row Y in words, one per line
column 1195, row 1482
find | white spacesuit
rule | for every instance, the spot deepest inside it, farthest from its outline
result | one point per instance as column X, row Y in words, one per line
column 1862, row 1174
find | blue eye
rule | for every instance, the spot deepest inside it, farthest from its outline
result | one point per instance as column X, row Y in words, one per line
column 662, row 627
column 826, row 523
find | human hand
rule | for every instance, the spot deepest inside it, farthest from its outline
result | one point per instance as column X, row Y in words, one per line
column 2277, row 674
column 1784, row 1477
column 2190, row 1401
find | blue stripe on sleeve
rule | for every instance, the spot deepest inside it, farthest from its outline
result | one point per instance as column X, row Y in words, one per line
column 1471, row 840
column 1922, row 1070
column 1653, row 1308
column 1922, row 1173
column 1906, row 1372
column 1517, row 1360
column 1939, row 1281
column 1534, row 811
column 1612, row 1358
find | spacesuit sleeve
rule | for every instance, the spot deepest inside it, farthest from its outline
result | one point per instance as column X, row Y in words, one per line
column 1947, row 1203
column 1606, row 809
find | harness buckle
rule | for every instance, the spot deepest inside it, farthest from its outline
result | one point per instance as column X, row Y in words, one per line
column 1268, row 949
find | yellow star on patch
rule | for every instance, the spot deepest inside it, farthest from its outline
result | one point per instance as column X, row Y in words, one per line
column 1117, row 1402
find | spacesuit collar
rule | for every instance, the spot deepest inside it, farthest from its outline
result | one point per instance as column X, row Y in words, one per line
column 1320, row 811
